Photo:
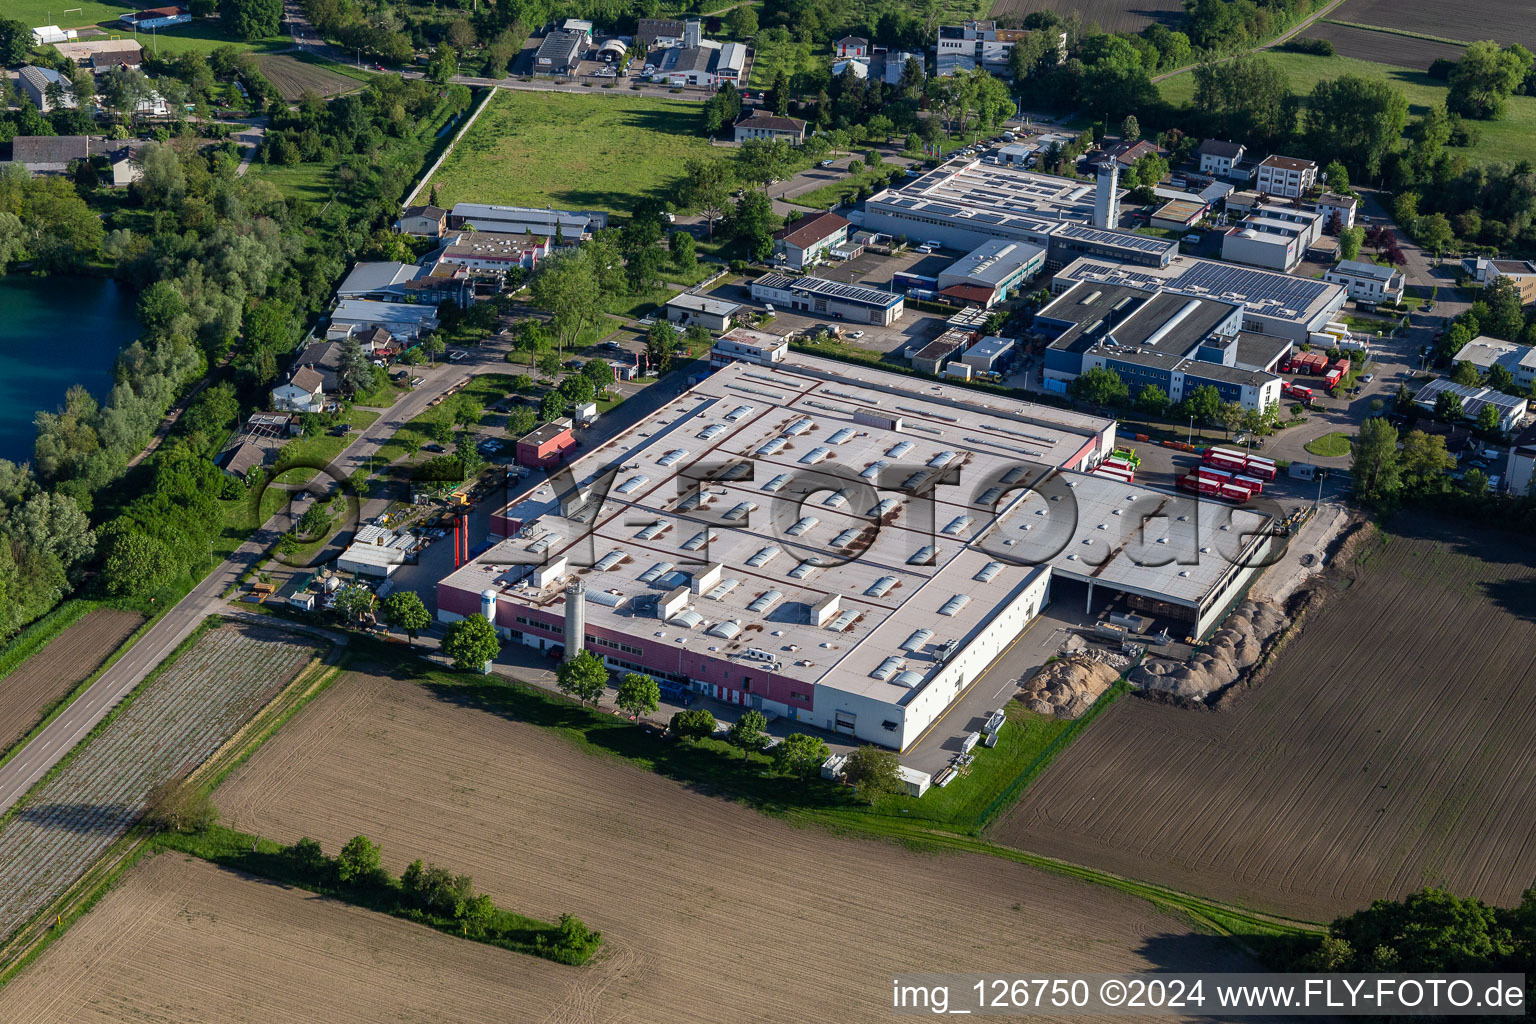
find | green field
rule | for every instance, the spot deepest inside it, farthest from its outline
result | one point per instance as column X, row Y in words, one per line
column 201, row 36
column 1331, row 445
column 1510, row 139
column 310, row 182
column 599, row 152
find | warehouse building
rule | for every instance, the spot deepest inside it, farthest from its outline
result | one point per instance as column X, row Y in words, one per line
column 1279, row 305
column 572, row 225
column 1475, row 398
column 991, row 273
column 763, row 539
column 964, row 204
column 821, row 297
column 1273, row 236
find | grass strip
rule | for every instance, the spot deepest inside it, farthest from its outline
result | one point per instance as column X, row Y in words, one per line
column 300, row 865
column 1395, row 31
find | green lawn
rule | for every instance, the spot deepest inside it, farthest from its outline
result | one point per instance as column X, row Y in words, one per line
column 310, row 182
column 1331, row 445
column 575, row 152
column 1511, row 139
column 843, row 191
column 201, row 35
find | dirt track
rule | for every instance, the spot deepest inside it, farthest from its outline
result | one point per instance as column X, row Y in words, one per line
column 712, row 911
column 1387, row 749
column 52, row 672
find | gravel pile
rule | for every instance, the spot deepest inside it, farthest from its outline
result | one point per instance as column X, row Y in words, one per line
column 1066, row 688
column 1234, row 647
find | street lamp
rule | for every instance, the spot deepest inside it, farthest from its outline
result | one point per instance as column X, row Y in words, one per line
column 1189, row 441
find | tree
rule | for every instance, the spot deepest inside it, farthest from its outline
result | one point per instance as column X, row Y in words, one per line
column 1484, row 78
column 1448, row 407
column 763, row 161
column 569, row 287
column 1349, row 242
column 1374, row 468
column 358, row 862
column 874, row 771
column 353, row 602
column 1337, row 177
column 1466, row 373
column 1099, row 386
column 251, row 19
column 1356, row 121
column 1488, row 420
column 405, row 610
column 599, row 372
column 638, row 695
column 551, row 406
column 354, row 370
column 1204, row 404
column 742, row 21
column 800, row 754
column 134, row 564
column 15, row 41
column 433, row 345
column 776, row 98
column 1130, row 129
column 659, row 344
column 1476, row 481
column 1148, row 170
column 1500, row 379
column 694, row 723
column 706, row 187
column 471, row 642
column 1229, row 415
column 578, row 389
column 443, row 65
column 1152, row 400
column 179, row 806
column 684, row 250
column 1247, row 97
column 583, row 677
column 755, row 223
column 749, row 732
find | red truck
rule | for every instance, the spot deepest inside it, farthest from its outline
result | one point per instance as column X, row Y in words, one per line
column 1213, row 488
column 1240, row 462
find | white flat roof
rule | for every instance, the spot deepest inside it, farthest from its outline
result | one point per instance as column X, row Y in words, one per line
column 797, row 418
column 703, row 304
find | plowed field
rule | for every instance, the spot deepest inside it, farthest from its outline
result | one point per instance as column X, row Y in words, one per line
column 1389, row 749
column 710, row 911
column 1111, row 15
column 1385, row 47
column 1508, row 21
column 27, row 693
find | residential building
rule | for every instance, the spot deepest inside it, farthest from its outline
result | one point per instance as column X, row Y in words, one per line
column 875, row 648
column 744, row 345
column 1520, row 273
column 807, row 240
column 125, row 168
column 821, row 297
column 52, row 154
column 324, row 357
column 974, row 44
column 156, row 18
column 1286, row 176
column 893, row 64
column 859, row 67
column 1474, row 398
column 1330, row 203
column 991, row 273
column 41, row 85
column 651, row 32
column 1218, row 157
column 690, row 308
column 546, row 445
column 757, row 123
column 1484, row 353
column 303, row 392
column 1367, row 282
column 427, row 221
column 494, row 251
column 1123, row 153
column 559, row 53
column 572, row 226
column 851, row 46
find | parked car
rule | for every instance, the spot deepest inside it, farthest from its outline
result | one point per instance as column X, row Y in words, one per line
column 1192, row 239
column 573, row 364
column 456, row 355
column 856, row 335
column 827, row 163
column 436, row 449
column 1367, row 378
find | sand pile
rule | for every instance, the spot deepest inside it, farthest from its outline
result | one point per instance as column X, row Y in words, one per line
column 1067, row 687
column 1236, row 646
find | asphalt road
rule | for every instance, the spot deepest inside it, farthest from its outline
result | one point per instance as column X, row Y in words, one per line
column 19, row 774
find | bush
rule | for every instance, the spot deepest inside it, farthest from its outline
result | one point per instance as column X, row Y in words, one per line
column 179, row 806
column 693, row 724
column 1317, row 47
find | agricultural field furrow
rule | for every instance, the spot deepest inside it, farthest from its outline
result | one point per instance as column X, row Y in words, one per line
column 680, row 883
column 1109, row 15
column 173, row 724
column 1386, row 47
column 40, row 681
column 1508, row 21
column 1387, row 749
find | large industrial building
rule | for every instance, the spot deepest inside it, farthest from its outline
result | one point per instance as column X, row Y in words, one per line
column 1279, row 305
column 1152, row 337
column 967, row 203
column 847, row 547
column 571, row 225
column 820, row 296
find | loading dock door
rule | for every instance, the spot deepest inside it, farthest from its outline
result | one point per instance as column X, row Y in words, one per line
column 843, row 723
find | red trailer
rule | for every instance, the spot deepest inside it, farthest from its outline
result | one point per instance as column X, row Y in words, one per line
column 1225, row 458
column 1264, row 469
column 1217, row 476
column 1331, row 380
column 1119, row 464
column 1115, row 473
column 1197, row 484
column 1235, row 493
column 1253, row 483
column 1300, row 391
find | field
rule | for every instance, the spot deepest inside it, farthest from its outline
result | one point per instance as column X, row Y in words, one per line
column 1388, row 749
column 294, row 77
column 1109, row 15
column 596, row 152
column 1330, row 445
column 27, row 693
column 763, row 917
column 1508, row 21
column 1509, row 139
column 173, row 723
column 1385, row 47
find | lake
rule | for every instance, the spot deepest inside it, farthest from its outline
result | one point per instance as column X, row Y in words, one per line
column 56, row 332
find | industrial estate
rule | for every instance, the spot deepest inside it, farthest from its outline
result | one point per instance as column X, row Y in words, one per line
column 955, row 465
